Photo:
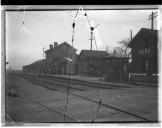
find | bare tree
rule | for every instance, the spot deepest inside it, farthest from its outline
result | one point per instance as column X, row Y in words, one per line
column 122, row 50
column 107, row 49
column 124, row 46
column 118, row 51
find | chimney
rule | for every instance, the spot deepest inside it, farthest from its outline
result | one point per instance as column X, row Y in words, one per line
column 55, row 44
column 51, row 46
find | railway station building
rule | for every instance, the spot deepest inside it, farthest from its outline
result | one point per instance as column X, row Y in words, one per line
column 59, row 57
column 36, row 68
column 57, row 61
column 144, row 50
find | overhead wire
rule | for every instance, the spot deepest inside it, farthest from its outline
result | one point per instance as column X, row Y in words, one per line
column 99, row 105
column 68, row 87
column 23, row 19
column 54, row 18
column 100, row 95
column 49, row 17
column 95, row 42
column 73, row 26
column 87, row 18
column 91, row 28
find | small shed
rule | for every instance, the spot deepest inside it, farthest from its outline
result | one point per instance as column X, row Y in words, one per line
column 116, row 68
column 90, row 62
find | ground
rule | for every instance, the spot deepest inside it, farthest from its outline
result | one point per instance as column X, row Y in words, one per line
column 138, row 100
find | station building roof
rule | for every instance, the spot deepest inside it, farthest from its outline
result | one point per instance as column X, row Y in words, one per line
column 145, row 34
column 60, row 45
column 93, row 53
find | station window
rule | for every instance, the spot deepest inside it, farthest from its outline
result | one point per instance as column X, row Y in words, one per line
column 91, row 66
column 148, row 50
column 146, row 64
column 143, row 51
column 140, row 52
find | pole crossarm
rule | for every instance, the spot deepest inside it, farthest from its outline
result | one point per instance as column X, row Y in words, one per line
column 152, row 17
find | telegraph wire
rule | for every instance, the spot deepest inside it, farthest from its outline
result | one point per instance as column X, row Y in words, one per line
column 68, row 87
column 53, row 18
column 152, row 17
column 73, row 26
column 99, row 105
column 23, row 18
column 100, row 95
column 95, row 42
column 91, row 29
column 87, row 18
column 81, row 20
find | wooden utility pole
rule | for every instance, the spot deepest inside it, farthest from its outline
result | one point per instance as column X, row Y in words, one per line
column 151, row 17
column 91, row 39
column 131, row 34
column 90, row 63
column 92, row 28
column 43, row 52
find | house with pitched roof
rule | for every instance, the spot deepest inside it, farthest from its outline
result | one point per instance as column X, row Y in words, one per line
column 144, row 52
column 61, row 58
column 90, row 62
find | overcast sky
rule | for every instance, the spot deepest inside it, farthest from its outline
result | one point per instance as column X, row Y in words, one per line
column 27, row 33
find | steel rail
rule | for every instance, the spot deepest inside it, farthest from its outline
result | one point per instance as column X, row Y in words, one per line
column 83, row 83
column 94, row 86
column 38, row 103
column 56, row 84
column 112, row 87
column 106, row 105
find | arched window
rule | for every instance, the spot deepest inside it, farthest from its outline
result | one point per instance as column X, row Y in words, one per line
column 146, row 65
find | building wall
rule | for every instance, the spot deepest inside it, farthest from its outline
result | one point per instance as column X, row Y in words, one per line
column 57, row 61
column 96, row 66
column 116, row 69
column 82, row 68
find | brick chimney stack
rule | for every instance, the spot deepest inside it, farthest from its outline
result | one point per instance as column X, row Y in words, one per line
column 51, row 46
column 55, row 44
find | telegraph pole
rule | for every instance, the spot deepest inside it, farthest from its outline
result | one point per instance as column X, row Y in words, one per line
column 91, row 39
column 151, row 17
column 92, row 28
column 131, row 34
column 43, row 52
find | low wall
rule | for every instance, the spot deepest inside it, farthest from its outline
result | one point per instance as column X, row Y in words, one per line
column 137, row 77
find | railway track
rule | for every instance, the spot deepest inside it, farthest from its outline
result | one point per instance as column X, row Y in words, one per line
column 44, row 106
column 52, row 87
column 53, row 83
column 63, row 83
column 98, row 85
column 83, row 84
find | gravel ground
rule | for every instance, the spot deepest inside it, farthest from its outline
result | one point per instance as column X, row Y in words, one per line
column 142, row 101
